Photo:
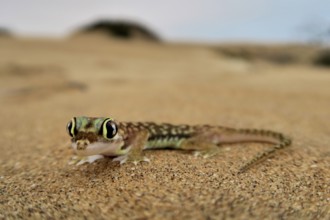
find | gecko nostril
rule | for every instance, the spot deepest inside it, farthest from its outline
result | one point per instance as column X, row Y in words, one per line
column 82, row 144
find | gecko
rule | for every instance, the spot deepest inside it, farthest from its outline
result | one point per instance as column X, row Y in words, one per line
column 94, row 138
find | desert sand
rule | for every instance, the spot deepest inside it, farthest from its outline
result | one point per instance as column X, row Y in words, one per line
column 44, row 83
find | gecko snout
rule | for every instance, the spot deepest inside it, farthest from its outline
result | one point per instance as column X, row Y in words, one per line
column 82, row 144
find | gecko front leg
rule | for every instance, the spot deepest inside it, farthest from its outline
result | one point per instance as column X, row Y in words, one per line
column 136, row 143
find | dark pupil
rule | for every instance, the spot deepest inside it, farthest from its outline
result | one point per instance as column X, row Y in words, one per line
column 69, row 128
column 111, row 129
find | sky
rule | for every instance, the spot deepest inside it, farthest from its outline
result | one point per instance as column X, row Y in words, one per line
column 174, row 20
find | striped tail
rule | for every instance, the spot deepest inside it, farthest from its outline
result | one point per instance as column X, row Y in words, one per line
column 281, row 141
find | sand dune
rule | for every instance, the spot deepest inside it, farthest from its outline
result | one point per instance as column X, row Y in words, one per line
column 44, row 83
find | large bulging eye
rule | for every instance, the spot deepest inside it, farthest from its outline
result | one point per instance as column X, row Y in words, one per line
column 71, row 127
column 109, row 129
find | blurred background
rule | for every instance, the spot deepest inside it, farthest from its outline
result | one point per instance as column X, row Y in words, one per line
column 94, row 51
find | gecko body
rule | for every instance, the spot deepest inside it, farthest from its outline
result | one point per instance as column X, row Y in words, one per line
column 94, row 138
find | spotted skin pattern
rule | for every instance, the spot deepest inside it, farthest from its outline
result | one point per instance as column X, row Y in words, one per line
column 126, row 141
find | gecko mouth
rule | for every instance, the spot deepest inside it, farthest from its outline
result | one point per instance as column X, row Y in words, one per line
column 99, row 148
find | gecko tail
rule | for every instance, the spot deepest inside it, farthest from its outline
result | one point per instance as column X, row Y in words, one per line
column 266, row 136
column 279, row 140
column 254, row 135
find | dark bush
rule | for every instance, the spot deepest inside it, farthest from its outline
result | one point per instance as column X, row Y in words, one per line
column 323, row 58
column 4, row 32
column 121, row 29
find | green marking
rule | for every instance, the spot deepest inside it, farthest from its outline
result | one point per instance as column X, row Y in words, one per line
column 82, row 122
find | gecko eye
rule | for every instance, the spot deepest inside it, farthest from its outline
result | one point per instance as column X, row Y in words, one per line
column 109, row 129
column 71, row 127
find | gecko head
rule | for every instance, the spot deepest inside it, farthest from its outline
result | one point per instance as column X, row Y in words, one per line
column 92, row 136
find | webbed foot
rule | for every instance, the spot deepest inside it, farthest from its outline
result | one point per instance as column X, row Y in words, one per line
column 207, row 153
column 131, row 159
column 78, row 160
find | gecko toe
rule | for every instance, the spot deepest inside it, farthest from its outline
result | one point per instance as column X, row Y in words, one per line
column 121, row 159
column 145, row 159
column 136, row 161
column 196, row 153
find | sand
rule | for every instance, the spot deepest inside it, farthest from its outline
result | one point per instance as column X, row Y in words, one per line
column 43, row 83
